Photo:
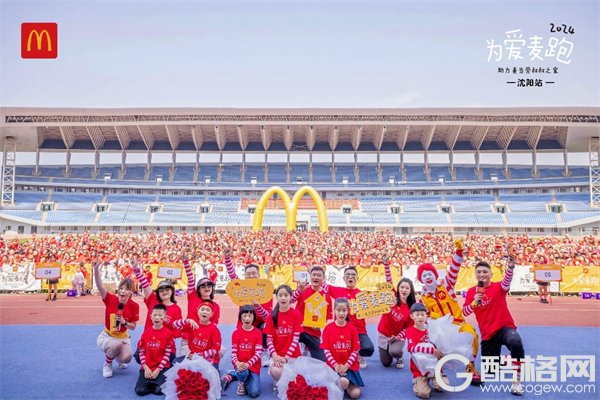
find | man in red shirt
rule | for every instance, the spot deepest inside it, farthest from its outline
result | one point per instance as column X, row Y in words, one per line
column 497, row 327
column 311, row 337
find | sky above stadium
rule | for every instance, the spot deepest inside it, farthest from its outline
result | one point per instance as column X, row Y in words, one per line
column 305, row 54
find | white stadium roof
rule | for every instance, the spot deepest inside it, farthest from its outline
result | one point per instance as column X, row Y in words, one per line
column 302, row 129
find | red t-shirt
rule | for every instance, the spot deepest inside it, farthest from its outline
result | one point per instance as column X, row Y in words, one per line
column 397, row 319
column 204, row 338
column 301, row 305
column 337, row 292
column 131, row 313
column 155, row 342
column 288, row 323
column 246, row 342
column 148, row 277
column 173, row 313
column 415, row 336
column 492, row 315
column 341, row 341
column 194, row 303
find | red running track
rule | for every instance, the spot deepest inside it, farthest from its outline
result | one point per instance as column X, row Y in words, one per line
column 31, row 309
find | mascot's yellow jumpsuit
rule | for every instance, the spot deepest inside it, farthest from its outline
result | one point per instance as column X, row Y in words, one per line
column 440, row 300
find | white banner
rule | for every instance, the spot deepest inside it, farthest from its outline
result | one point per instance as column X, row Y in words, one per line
column 523, row 281
column 19, row 278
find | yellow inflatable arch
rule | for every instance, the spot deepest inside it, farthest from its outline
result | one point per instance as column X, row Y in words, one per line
column 291, row 207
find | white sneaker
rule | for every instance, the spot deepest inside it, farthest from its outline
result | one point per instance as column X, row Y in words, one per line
column 517, row 389
column 107, row 371
column 400, row 363
column 265, row 360
column 362, row 362
column 123, row 366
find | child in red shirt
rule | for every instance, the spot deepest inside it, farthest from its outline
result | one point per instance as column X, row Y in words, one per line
column 155, row 348
column 283, row 330
column 246, row 349
column 205, row 340
column 341, row 345
column 418, row 342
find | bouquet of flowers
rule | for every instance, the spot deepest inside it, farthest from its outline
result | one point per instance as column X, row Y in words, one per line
column 194, row 379
column 307, row 378
column 300, row 390
column 445, row 335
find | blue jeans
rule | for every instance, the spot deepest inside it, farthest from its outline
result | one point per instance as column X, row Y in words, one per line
column 251, row 379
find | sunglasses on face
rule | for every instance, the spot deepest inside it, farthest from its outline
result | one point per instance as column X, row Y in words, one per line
column 205, row 285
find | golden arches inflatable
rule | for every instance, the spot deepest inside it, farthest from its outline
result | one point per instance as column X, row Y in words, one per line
column 291, row 207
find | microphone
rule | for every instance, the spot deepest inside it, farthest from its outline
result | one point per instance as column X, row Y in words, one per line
column 119, row 314
column 480, row 289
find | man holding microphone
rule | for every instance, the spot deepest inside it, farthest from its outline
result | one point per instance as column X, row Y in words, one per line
column 488, row 301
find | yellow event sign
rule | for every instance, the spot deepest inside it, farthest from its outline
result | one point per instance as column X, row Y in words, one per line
column 48, row 270
column 547, row 273
column 577, row 279
column 370, row 304
column 466, row 277
column 244, row 291
column 315, row 311
column 172, row 271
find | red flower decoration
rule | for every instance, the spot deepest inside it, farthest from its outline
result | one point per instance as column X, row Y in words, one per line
column 299, row 389
column 191, row 385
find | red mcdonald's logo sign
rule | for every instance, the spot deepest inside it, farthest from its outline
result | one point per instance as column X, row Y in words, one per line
column 39, row 40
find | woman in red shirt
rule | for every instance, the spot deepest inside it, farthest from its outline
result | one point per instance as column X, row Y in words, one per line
column 392, row 326
column 120, row 315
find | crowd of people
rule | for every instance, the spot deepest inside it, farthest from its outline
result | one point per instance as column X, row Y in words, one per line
column 278, row 329
column 305, row 248
column 288, row 329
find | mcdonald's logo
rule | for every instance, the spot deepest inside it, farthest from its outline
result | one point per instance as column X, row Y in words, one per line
column 291, row 207
column 39, row 40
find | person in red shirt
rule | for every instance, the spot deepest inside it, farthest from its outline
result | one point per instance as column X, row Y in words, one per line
column 311, row 337
column 495, row 322
column 120, row 315
column 418, row 343
column 283, row 331
column 349, row 292
column 341, row 345
column 196, row 294
column 251, row 271
column 392, row 325
column 205, row 340
column 148, row 275
column 246, row 349
column 164, row 294
column 156, row 346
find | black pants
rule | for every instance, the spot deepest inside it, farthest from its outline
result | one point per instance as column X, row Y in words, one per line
column 508, row 337
column 149, row 386
column 313, row 344
column 366, row 345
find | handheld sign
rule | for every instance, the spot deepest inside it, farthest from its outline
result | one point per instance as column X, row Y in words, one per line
column 170, row 271
column 370, row 304
column 547, row 273
column 300, row 276
column 48, row 270
column 315, row 311
column 243, row 291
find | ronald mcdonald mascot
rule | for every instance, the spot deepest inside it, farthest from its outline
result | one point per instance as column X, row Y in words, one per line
column 440, row 299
